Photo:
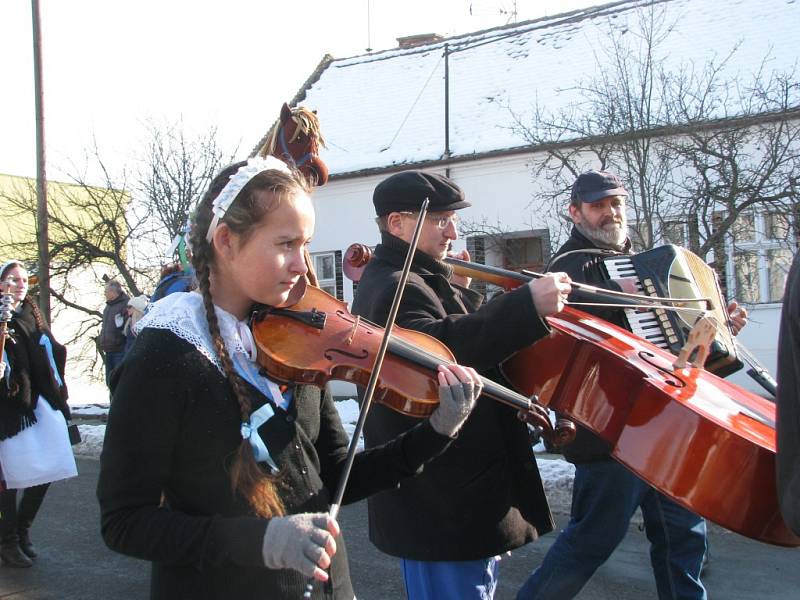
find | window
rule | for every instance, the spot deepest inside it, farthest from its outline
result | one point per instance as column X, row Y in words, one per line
column 328, row 267
column 776, row 226
column 760, row 256
column 747, row 277
column 744, row 229
column 515, row 251
column 523, row 253
column 674, row 232
column 778, row 262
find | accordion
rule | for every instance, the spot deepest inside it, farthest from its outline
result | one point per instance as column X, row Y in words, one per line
column 674, row 272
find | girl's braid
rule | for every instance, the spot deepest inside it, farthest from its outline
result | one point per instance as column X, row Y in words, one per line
column 247, row 478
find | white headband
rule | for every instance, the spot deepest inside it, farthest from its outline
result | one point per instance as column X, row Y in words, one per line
column 237, row 181
column 7, row 264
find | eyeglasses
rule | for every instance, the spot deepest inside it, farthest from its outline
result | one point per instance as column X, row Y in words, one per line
column 439, row 222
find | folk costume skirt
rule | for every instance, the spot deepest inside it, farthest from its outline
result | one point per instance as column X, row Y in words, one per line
column 40, row 453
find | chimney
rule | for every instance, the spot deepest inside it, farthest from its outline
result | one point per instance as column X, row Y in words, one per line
column 410, row 41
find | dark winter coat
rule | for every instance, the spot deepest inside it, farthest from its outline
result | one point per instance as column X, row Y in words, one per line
column 788, row 401
column 112, row 337
column 484, row 495
column 173, row 428
column 32, row 374
column 582, row 261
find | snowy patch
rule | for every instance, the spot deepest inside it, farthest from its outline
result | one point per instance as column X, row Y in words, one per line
column 91, row 441
column 89, row 410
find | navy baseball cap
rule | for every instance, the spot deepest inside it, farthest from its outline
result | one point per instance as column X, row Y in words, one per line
column 407, row 191
column 596, row 185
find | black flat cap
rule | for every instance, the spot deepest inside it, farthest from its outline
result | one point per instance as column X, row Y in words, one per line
column 407, row 190
column 592, row 186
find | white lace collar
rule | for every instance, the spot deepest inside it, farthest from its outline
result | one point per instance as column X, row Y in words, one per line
column 183, row 314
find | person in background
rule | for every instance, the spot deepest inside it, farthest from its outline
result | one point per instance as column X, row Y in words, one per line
column 484, row 495
column 34, row 444
column 605, row 495
column 219, row 475
column 788, row 401
column 174, row 278
column 112, row 336
column 136, row 307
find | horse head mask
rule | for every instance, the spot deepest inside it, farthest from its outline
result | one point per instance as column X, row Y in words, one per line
column 296, row 139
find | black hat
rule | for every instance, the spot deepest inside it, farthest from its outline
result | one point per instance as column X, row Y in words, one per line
column 596, row 185
column 407, row 190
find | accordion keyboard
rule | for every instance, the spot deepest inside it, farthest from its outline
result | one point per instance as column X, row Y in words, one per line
column 652, row 325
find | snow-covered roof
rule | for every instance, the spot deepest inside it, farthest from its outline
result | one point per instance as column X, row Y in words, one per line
column 387, row 109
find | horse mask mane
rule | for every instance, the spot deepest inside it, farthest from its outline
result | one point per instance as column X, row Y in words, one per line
column 296, row 139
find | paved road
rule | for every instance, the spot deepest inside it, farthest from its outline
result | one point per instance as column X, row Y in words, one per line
column 75, row 565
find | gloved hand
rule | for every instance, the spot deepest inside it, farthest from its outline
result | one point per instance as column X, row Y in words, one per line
column 303, row 542
column 459, row 388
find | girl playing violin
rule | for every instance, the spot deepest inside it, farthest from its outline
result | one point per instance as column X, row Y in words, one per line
column 211, row 470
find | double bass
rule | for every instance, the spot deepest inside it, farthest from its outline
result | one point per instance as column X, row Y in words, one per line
column 704, row 442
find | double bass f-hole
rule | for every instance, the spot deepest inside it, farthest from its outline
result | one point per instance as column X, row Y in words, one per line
column 670, row 377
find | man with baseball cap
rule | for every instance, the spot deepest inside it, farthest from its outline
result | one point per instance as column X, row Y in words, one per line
column 483, row 496
column 605, row 495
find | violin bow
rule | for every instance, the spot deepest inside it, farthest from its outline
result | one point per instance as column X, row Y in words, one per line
column 373, row 379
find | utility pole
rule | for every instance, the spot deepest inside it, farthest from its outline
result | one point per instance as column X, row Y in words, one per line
column 447, row 101
column 42, row 236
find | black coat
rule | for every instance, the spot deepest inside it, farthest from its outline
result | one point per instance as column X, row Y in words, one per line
column 582, row 261
column 173, row 429
column 484, row 495
column 32, row 375
column 788, row 425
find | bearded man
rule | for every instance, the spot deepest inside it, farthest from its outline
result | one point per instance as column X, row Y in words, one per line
column 605, row 494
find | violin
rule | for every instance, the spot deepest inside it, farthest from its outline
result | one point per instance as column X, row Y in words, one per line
column 703, row 441
column 317, row 339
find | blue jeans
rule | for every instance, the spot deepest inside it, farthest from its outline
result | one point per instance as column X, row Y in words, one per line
column 605, row 496
column 112, row 359
column 450, row 580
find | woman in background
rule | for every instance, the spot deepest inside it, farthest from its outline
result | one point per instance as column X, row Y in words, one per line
column 136, row 307
column 34, row 444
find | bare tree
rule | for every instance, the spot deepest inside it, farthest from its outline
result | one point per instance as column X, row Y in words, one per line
column 123, row 229
column 175, row 171
column 692, row 145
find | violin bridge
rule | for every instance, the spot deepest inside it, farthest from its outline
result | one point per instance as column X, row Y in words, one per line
column 349, row 340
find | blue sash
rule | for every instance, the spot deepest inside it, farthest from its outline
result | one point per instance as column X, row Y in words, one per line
column 249, row 371
column 48, row 348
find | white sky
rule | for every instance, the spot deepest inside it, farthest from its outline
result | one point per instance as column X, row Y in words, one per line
column 112, row 66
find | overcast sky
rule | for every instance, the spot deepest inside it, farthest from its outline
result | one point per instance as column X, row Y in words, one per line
column 110, row 67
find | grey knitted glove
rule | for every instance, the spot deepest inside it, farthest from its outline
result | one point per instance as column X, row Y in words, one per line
column 296, row 542
column 455, row 404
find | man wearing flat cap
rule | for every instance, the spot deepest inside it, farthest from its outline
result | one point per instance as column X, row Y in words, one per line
column 605, row 495
column 483, row 496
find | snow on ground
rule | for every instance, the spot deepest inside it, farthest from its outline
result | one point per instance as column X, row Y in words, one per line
column 556, row 473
